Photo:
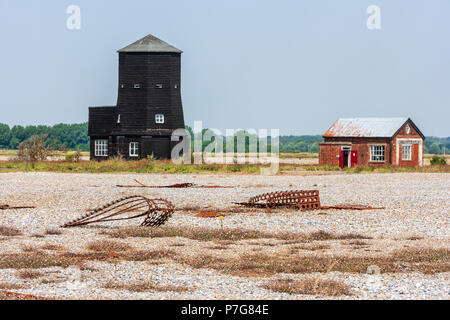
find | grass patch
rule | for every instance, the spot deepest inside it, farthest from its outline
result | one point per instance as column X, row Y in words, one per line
column 11, row 286
column 139, row 166
column 407, row 260
column 230, row 234
column 309, row 247
column 148, row 255
column 53, row 232
column 384, row 169
column 330, row 288
column 29, row 274
column 106, row 245
column 144, row 286
column 52, row 247
column 9, row 231
column 357, row 243
column 33, row 261
column 299, row 155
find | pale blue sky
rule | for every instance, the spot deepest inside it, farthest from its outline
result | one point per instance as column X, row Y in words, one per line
column 293, row 65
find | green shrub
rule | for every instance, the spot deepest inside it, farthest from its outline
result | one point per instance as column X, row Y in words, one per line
column 69, row 157
column 436, row 160
column 234, row 168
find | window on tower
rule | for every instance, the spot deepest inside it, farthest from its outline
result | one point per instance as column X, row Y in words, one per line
column 134, row 149
column 101, row 148
column 137, row 86
column 159, row 86
column 159, row 118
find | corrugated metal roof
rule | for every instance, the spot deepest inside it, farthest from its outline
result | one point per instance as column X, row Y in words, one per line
column 150, row 43
column 365, row 127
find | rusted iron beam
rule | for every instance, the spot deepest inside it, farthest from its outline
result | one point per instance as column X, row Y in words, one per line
column 351, row 207
column 177, row 185
column 7, row 207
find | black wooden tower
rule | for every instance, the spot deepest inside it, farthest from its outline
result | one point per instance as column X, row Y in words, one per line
column 148, row 107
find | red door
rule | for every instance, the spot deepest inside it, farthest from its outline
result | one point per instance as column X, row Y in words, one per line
column 353, row 158
column 341, row 159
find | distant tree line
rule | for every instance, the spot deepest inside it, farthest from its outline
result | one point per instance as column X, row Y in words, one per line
column 61, row 136
column 74, row 137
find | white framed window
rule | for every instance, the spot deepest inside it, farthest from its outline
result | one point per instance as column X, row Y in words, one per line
column 377, row 153
column 137, row 86
column 159, row 118
column 159, row 86
column 175, row 86
column 406, row 152
column 101, row 148
column 122, row 86
column 134, row 149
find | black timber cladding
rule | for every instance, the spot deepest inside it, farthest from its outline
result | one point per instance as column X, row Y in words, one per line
column 149, row 84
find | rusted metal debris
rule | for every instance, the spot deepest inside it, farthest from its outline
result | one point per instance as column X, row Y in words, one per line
column 177, row 185
column 351, row 207
column 302, row 199
column 156, row 212
column 7, row 207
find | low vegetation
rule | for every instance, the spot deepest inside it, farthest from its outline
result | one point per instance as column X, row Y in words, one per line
column 29, row 274
column 33, row 261
column 232, row 234
column 10, row 286
column 330, row 288
column 53, row 232
column 144, row 286
column 407, row 260
column 9, row 231
column 385, row 169
column 105, row 245
column 138, row 166
column 436, row 160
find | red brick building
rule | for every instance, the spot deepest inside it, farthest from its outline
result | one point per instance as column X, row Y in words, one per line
column 372, row 142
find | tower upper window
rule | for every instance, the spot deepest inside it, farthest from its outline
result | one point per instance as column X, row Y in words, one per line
column 159, row 118
column 159, row 86
column 137, row 86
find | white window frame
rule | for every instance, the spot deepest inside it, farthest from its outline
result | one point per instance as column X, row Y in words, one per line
column 159, row 118
column 133, row 149
column 408, row 156
column 137, row 86
column 101, row 148
column 159, row 86
column 376, row 151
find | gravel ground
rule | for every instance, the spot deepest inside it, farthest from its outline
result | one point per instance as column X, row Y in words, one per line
column 416, row 205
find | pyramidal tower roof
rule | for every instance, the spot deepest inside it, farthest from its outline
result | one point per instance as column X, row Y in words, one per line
column 150, row 43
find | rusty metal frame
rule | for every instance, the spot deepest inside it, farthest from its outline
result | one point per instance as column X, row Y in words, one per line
column 156, row 211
